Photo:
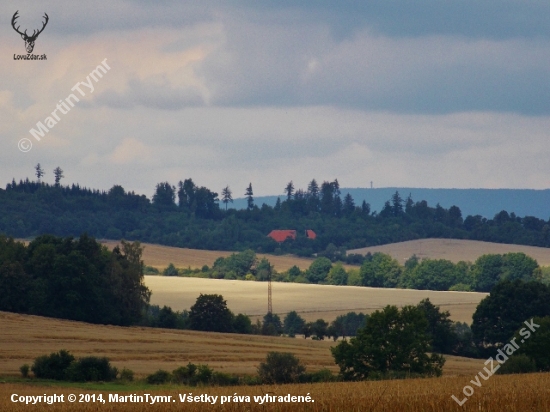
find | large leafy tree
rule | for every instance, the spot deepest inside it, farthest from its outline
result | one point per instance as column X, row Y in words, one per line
column 349, row 324
column 536, row 346
column 272, row 325
column 15, row 285
column 440, row 327
column 380, row 271
column 73, row 279
column 293, row 323
column 280, row 367
column 488, row 270
column 508, row 305
column 434, row 274
column 210, row 313
column 337, row 275
column 392, row 340
column 318, row 270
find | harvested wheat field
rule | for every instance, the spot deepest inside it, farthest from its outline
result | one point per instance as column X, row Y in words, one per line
column 454, row 250
column 517, row 393
column 159, row 257
column 145, row 350
column 311, row 301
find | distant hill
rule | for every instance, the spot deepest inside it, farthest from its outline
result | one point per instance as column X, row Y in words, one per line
column 484, row 202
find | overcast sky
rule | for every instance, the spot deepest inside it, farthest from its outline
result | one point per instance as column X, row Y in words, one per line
column 427, row 93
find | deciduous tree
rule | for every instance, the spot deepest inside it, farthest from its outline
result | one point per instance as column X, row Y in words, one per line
column 392, row 341
column 210, row 313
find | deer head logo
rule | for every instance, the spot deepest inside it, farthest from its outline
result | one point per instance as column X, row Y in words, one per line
column 29, row 40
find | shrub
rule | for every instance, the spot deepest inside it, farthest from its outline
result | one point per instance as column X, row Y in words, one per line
column 517, row 364
column 53, row 366
column 224, row 379
column 323, row 375
column 204, row 374
column 91, row 369
column 159, row 377
column 280, row 367
column 127, row 375
column 460, row 287
column 151, row 271
column 25, row 370
column 170, row 270
column 185, row 374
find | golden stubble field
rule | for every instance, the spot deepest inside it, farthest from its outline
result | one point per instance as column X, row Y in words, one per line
column 311, row 301
column 454, row 250
column 160, row 257
column 511, row 393
column 145, row 350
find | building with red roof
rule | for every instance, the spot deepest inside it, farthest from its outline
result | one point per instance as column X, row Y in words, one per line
column 310, row 234
column 282, row 235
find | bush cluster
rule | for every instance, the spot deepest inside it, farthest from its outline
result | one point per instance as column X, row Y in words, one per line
column 192, row 375
column 65, row 367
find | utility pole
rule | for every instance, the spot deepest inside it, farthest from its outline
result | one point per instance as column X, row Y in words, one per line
column 269, row 305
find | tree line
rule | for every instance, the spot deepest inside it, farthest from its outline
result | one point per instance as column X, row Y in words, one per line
column 389, row 343
column 80, row 279
column 376, row 270
column 77, row 279
column 189, row 215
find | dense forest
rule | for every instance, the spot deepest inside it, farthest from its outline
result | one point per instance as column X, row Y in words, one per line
column 188, row 215
column 77, row 279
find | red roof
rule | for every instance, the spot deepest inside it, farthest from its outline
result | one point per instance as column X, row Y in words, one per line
column 282, row 235
column 310, row 234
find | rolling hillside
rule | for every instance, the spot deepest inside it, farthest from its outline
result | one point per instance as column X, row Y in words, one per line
column 454, row 250
column 145, row 350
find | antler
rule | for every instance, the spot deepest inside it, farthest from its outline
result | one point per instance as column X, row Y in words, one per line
column 43, row 26
column 15, row 16
column 34, row 33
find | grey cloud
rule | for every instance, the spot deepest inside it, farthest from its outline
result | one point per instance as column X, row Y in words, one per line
column 270, row 65
column 493, row 19
column 152, row 94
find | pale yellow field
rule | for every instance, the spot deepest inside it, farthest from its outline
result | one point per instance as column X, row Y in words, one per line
column 311, row 301
column 145, row 350
column 454, row 250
